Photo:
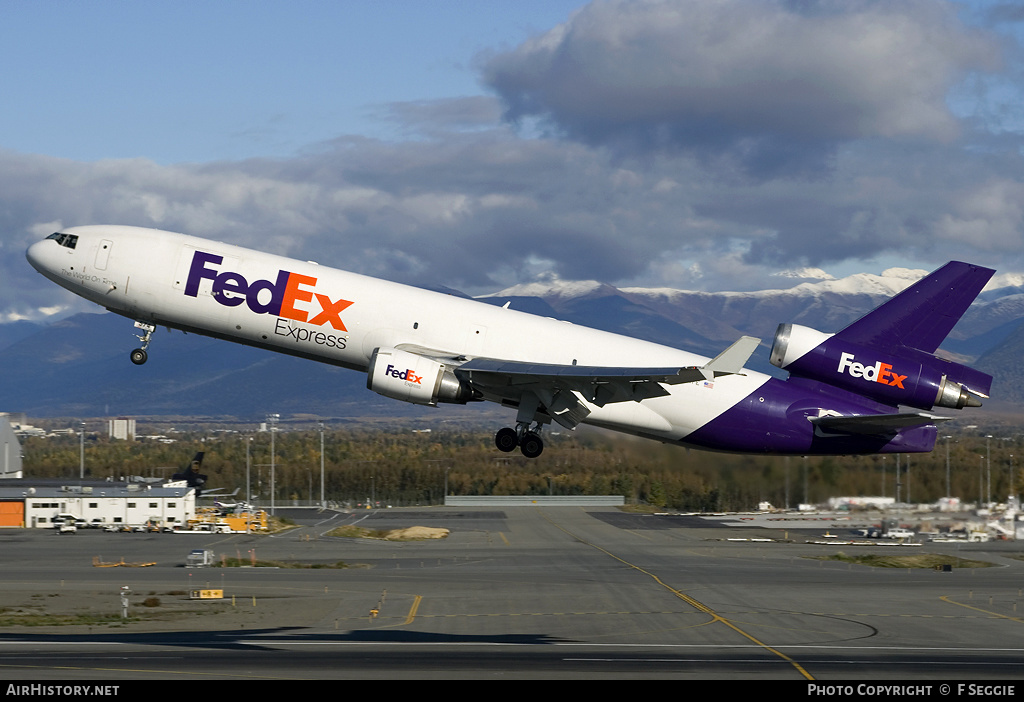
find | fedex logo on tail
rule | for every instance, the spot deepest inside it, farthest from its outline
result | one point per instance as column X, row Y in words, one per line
column 879, row 373
column 289, row 296
column 407, row 375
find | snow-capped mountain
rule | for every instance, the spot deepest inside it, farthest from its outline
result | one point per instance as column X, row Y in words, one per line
column 192, row 374
column 826, row 303
column 705, row 322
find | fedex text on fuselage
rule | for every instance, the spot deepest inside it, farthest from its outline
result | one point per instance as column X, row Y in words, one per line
column 879, row 372
column 289, row 294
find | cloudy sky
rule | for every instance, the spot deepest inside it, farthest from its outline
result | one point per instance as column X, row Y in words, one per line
column 697, row 144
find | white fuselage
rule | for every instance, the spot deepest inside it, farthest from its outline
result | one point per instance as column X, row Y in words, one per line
column 337, row 317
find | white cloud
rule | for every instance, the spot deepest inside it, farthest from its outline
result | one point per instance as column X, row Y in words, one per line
column 769, row 84
column 471, row 203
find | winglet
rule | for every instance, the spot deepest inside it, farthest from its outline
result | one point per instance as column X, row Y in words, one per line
column 733, row 359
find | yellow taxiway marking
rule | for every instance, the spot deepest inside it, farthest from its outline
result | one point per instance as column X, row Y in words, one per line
column 412, row 610
column 983, row 611
column 699, row 606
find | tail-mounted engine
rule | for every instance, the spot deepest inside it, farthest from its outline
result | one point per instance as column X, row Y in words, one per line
column 903, row 376
column 406, row 376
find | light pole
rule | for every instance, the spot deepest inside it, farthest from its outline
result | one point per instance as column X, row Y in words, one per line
column 883, row 476
column 248, row 469
column 908, row 480
column 323, row 502
column 1012, row 488
column 988, row 466
column 981, row 480
column 81, row 454
column 898, row 486
column 805, row 479
column 949, row 491
column 787, row 483
column 272, row 427
column 447, row 468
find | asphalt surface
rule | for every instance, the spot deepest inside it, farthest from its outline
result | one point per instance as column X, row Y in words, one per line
column 515, row 593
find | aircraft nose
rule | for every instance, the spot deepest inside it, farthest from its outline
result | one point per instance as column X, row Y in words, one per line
column 34, row 254
column 45, row 257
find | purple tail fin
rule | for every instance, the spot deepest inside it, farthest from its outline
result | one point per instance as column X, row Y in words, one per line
column 921, row 316
column 888, row 354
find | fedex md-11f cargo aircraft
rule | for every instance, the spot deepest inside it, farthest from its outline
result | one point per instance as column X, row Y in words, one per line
column 869, row 388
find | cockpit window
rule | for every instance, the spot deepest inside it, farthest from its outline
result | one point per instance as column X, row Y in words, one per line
column 68, row 240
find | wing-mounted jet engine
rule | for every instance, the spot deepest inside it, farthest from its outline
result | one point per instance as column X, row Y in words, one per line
column 414, row 378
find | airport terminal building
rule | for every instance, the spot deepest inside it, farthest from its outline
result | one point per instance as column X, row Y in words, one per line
column 34, row 504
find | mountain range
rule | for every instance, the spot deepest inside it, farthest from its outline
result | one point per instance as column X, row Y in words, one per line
column 79, row 366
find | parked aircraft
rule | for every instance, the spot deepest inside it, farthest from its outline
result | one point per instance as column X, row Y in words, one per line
column 191, row 475
column 869, row 388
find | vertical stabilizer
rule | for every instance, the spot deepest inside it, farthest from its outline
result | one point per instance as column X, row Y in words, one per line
column 888, row 354
column 921, row 316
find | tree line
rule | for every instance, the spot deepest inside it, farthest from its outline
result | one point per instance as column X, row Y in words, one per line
column 400, row 468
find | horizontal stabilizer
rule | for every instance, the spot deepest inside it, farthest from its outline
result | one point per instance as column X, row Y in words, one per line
column 874, row 424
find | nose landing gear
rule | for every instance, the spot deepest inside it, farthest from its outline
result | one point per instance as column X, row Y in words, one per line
column 139, row 355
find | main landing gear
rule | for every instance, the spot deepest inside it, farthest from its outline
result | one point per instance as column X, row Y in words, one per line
column 139, row 355
column 526, row 435
column 528, row 441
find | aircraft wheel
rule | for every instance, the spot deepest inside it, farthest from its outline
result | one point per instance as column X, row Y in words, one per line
column 506, row 439
column 139, row 356
column 531, row 445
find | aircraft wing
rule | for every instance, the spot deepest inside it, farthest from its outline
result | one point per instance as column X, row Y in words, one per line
column 874, row 424
column 219, row 493
column 559, row 388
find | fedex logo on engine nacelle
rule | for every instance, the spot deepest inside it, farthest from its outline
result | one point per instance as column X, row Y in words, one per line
column 407, row 375
column 879, row 373
column 288, row 293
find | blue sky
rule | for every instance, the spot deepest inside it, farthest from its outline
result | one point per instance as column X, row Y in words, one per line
column 205, row 81
column 670, row 143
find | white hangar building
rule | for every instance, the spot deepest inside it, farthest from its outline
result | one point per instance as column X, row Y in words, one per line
column 32, row 504
column 10, row 451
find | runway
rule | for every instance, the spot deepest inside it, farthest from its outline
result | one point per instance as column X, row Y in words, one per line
column 520, row 592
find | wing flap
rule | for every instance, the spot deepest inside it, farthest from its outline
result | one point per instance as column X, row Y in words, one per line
column 729, row 362
column 562, row 389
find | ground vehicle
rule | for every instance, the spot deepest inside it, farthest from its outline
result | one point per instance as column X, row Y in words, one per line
column 899, row 533
column 199, row 558
column 67, row 527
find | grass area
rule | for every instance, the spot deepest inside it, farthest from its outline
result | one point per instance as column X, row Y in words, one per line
column 248, row 563
column 919, row 560
column 11, row 617
column 351, row 531
column 642, row 509
column 45, row 610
